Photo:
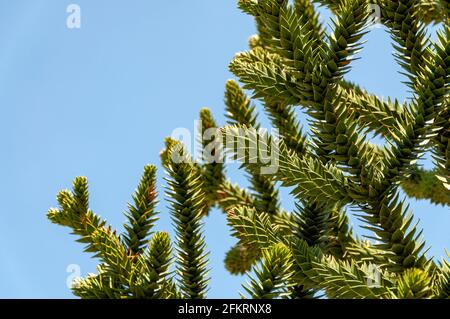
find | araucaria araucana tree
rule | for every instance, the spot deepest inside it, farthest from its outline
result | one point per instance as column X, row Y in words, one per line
column 295, row 62
column 136, row 263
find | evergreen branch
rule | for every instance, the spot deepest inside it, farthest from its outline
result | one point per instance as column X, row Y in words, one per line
column 340, row 279
column 232, row 195
column 288, row 166
column 323, row 226
column 141, row 214
column 434, row 11
column 240, row 112
column 296, row 43
column 239, row 109
column 284, row 119
column 187, row 197
column 364, row 251
column 265, row 193
column 117, row 261
column 266, row 13
column 428, row 11
column 100, row 286
column 333, row 5
column 340, row 235
column 263, row 36
column 313, row 180
column 121, row 274
column 335, row 138
column 308, row 16
column 430, row 90
column 309, row 176
column 155, row 265
column 294, row 62
column 293, row 49
column 159, row 254
column 213, row 169
column 441, row 150
column 442, row 289
column 431, row 87
column 273, row 275
column 330, row 125
column 414, row 284
column 390, row 221
column 378, row 115
column 100, row 239
column 408, row 33
column 338, row 139
column 74, row 213
column 240, row 258
column 169, row 290
column 311, row 223
column 265, row 74
column 349, row 28
column 423, row 184
column 252, row 228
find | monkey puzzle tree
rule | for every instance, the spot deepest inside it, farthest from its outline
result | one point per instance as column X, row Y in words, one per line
column 294, row 62
column 136, row 263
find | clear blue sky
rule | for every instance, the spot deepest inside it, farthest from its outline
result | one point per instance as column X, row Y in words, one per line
column 98, row 102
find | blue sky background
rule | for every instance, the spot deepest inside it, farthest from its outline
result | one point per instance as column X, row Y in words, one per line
column 98, row 102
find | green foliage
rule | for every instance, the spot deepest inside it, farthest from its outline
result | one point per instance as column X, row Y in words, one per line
column 340, row 279
column 273, row 274
column 187, row 197
column 213, row 170
column 136, row 264
column 292, row 63
column 240, row 258
column 424, row 184
column 442, row 283
column 141, row 214
column 414, row 284
column 240, row 111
